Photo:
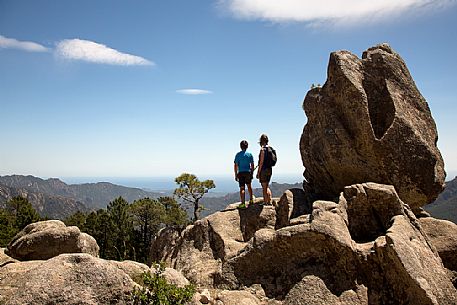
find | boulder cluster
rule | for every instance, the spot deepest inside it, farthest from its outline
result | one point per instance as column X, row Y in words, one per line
column 356, row 232
column 50, row 263
column 366, row 248
column 354, row 235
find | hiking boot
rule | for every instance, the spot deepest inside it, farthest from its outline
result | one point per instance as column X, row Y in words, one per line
column 241, row 206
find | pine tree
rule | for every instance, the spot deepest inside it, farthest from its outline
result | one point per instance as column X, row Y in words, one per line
column 148, row 216
column 100, row 226
column 7, row 228
column 15, row 217
column 77, row 219
column 175, row 215
column 122, row 227
column 192, row 190
column 22, row 211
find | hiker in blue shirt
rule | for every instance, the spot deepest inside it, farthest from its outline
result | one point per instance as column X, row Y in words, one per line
column 244, row 167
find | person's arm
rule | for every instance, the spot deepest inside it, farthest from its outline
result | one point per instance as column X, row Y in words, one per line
column 262, row 156
column 235, row 168
column 252, row 165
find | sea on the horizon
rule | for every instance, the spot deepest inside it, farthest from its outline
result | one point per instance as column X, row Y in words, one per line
column 224, row 184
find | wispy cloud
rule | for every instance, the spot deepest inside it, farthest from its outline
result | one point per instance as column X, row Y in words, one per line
column 85, row 50
column 11, row 43
column 193, row 91
column 334, row 11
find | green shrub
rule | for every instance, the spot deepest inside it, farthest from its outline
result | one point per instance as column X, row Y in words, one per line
column 156, row 290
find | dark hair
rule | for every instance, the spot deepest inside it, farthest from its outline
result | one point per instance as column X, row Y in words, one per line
column 244, row 145
column 263, row 139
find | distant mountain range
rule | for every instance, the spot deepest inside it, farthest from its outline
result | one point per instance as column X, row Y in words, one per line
column 47, row 205
column 54, row 198
column 445, row 206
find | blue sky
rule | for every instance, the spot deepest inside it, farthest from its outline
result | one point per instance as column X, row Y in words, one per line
column 157, row 88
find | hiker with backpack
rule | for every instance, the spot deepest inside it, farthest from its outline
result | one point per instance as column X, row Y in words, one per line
column 244, row 167
column 267, row 159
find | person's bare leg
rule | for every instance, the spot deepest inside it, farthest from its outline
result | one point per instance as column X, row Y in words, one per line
column 242, row 194
column 269, row 194
column 250, row 191
column 265, row 192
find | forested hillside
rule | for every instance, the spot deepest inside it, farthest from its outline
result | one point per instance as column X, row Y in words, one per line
column 54, row 198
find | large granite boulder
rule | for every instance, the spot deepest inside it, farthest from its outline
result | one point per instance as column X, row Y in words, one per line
column 135, row 271
column 292, row 204
column 46, row 239
column 369, row 248
column 400, row 266
column 369, row 122
column 77, row 278
column 165, row 242
column 65, row 279
column 443, row 236
column 201, row 248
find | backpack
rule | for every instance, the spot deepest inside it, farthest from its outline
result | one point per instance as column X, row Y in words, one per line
column 270, row 157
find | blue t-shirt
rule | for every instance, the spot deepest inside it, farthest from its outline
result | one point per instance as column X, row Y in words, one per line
column 244, row 159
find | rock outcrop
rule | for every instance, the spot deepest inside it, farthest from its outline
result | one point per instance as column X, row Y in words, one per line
column 202, row 247
column 292, row 204
column 369, row 248
column 65, row 279
column 369, row 122
column 76, row 278
column 46, row 239
column 366, row 246
column 443, row 236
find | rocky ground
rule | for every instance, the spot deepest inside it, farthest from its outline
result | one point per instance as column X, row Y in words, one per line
column 369, row 248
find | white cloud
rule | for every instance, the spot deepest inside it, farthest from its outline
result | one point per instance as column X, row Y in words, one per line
column 335, row 11
column 85, row 50
column 11, row 43
column 193, row 91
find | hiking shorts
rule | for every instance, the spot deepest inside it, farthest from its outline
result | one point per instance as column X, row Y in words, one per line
column 244, row 178
column 265, row 175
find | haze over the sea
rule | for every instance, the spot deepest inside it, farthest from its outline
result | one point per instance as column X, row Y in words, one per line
column 224, row 184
